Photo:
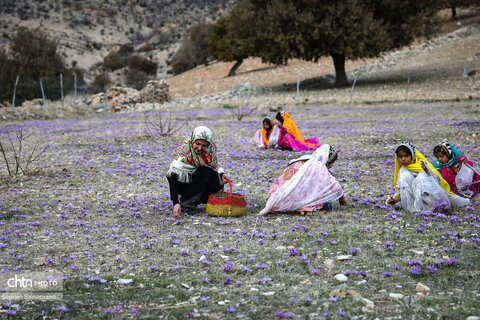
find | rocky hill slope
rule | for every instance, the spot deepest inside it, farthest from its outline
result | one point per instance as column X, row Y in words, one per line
column 87, row 30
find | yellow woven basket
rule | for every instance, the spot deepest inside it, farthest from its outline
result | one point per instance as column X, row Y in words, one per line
column 226, row 204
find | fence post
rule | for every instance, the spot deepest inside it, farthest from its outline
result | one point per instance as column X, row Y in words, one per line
column 353, row 87
column 43, row 97
column 153, row 97
column 61, row 88
column 200, row 91
column 14, row 93
column 85, row 94
column 406, row 90
column 297, row 98
column 106, row 98
column 75, row 88
column 463, row 78
column 250, row 89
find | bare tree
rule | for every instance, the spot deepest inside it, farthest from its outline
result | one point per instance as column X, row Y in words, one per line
column 241, row 112
column 21, row 158
column 159, row 126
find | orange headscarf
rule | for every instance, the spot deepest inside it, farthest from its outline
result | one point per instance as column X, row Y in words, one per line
column 292, row 128
column 263, row 131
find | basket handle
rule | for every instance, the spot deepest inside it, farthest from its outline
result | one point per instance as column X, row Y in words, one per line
column 230, row 198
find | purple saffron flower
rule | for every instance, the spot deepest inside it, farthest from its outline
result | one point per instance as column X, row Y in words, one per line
column 62, row 308
column 415, row 270
column 432, row 269
column 230, row 309
column 387, row 274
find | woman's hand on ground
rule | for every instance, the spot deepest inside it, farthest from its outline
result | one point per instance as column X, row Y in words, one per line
column 177, row 209
column 393, row 200
column 342, row 201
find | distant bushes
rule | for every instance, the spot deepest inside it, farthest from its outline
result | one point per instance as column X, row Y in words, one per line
column 136, row 79
column 138, row 67
column 193, row 50
column 100, row 82
column 142, row 64
column 114, row 61
column 32, row 57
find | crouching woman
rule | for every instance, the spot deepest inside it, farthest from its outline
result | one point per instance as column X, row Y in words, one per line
column 194, row 173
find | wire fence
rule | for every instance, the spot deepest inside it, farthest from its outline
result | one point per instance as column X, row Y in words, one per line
column 456, row 81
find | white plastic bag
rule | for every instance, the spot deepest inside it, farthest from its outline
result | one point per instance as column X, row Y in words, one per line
column 429, row 195
column 463, row 181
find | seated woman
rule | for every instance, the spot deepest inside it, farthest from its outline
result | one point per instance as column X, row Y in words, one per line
column 290, row 138
column 418, row 185
column 194, row 173
column 449, row 162
column 267, row 137
column 306, row 185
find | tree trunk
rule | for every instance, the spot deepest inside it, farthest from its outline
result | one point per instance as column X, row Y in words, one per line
column 454, row 11
column 340, row 75
column 235, row 67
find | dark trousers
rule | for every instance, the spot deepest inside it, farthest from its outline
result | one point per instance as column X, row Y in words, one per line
column 205, row 181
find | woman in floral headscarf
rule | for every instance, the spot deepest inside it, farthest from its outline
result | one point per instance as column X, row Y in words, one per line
column 290, row 138
column 194, row 173
column 418, row 185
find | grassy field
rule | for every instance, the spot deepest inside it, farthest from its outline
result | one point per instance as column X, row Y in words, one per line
column 95, row 208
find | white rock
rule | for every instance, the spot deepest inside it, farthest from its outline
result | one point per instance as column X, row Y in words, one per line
column 396, row 295
column 422, row 288
column 344, row 257
column 268, row 294
column 341, row 277
column 281, row 248
column 186, row 286
column 361, row 282
column 329, row 263
column 221, row 303
column 124, row 281
column 254, row 289
column 368, row 303
column 473, row 318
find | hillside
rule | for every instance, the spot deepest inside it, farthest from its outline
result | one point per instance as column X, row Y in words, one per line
column 87, row 30
column 433, row 65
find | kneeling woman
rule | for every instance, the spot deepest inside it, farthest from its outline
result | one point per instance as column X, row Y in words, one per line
column 290, row 138
column 418, row 185
column 306, row 185
column 194, row 173
column 267, row 137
